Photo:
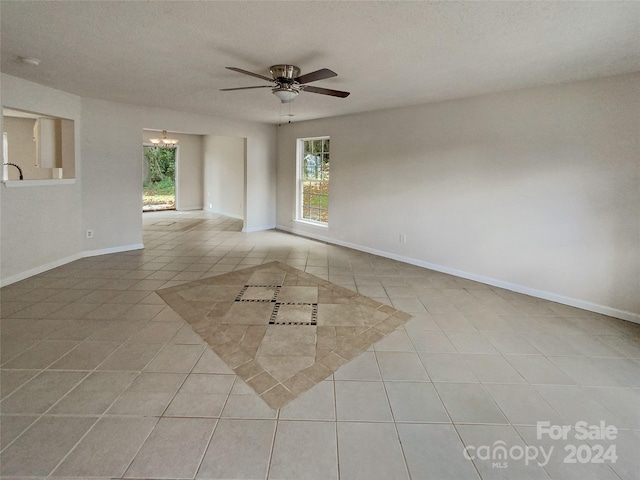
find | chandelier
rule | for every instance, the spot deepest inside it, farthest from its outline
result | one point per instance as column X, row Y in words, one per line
column 164, row 142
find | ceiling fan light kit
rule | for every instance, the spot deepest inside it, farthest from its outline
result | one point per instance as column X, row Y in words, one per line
column 289, row 83
column 285, row 95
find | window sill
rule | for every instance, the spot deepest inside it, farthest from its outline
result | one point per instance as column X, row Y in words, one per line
column 312, row 224
column 38, row 183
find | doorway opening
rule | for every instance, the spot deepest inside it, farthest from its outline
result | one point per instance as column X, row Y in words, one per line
column 159, row 179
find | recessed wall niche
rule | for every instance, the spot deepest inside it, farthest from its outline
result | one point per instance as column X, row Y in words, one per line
column 41, row 145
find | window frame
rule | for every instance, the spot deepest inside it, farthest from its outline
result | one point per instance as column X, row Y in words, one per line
column 299, row 180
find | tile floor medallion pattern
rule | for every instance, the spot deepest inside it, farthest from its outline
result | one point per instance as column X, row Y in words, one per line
column 280, row 329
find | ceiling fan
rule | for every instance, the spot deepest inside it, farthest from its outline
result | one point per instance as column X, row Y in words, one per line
column 289, row 83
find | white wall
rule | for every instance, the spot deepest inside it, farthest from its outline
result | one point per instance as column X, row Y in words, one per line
column 224, row 175
column 40, row 226
column 112, row 169
column 536, row 190
column 189, row 177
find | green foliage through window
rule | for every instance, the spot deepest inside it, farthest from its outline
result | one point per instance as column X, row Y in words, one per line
column 158, row 185
column 314, row 180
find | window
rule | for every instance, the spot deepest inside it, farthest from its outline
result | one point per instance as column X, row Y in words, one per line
column 313, row 180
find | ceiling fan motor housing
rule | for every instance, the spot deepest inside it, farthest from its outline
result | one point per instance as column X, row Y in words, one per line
column 284, row 73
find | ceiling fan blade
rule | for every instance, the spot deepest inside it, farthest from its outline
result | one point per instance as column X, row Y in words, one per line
column 246, row 72
column 244, row 88
column 326, row 91
column 317, row 75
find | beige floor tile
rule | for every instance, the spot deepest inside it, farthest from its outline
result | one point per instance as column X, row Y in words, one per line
column 452, row 321
column 469, row 403
column 493, row 369
column 318, row 403
column 370, row 451
column 87, row 356
column 415, row 402
column 94, row 394
column 43, row 446
column 186, row 336
column 175, row 359
column 117, row 330
column 141, row 403
column 189, row 404
column 551, row 344
column 396, row 341
column 335, row 315
column 537, row 369
column 423, row 321
column 162, row 457
column 248, row 407
column 304, row 450
column 431, row 341
column 142, row 312
column 108, row 312
column 210, row 362
column 131, row 356
column 12, row 426
column 522, row 405
column 41, row 355
column 363, row 367
column 402, row 366
column 603, row 372
column 157, row 382
column 208, row 383
column 76, row 329
column 488, row 322
column 447, row 367
column 41, row 392
column 108, row 448
column 11, row 380
column 576, row 404
column 362, row 401
column 510, row 343
column 239, row 449
column 435, row 451
column 156, row 332
column 470, row 342
column 625, row 402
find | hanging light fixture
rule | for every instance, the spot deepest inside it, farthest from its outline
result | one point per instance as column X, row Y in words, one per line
column 164, row 142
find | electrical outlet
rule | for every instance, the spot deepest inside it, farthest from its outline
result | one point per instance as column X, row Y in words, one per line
column 403, row 238
column 89, row 233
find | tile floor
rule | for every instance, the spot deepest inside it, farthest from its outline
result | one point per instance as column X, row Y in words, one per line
column 280, row 329
column 101, row 379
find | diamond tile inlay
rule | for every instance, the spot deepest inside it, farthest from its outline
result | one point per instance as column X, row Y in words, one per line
column 280, row 329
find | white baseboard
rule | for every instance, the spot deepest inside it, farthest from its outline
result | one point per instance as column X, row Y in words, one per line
column 185, row 209
column 63, row 261
column 106, row 251
column 258, row 229
column 573, row 302
column 226, row 214
column 39, row 269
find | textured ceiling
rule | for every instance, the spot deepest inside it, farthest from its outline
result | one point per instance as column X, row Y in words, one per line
column 387, row 54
